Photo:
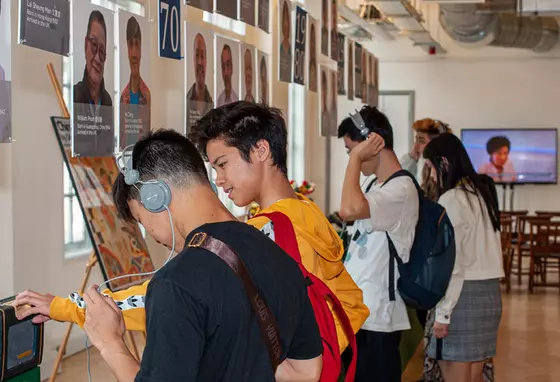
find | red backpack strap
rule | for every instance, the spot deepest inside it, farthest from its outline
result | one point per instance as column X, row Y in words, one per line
column 349, row 331
column 285, row 237
column 284, row 234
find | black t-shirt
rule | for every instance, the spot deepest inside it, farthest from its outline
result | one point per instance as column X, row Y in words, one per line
column 200, row 324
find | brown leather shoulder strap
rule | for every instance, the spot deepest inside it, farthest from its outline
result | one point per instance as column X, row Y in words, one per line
column 265, row 318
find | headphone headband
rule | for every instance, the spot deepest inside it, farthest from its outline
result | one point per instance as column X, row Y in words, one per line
column 359, row 123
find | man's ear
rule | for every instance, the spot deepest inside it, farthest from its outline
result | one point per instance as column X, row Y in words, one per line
column 262, row 150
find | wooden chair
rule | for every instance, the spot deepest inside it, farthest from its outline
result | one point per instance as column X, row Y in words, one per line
column 523, row 242
column 506, row 223
column 545, row 252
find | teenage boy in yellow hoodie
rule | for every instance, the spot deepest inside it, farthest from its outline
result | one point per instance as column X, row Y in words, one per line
column 246, row 143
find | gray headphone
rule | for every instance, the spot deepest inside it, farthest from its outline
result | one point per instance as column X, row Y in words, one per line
column 155, row 195
column 358, row 121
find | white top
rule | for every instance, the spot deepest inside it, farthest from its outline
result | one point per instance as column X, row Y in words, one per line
column 414, row 166
column 478, row 246
column 223, row 99
column 393, row 208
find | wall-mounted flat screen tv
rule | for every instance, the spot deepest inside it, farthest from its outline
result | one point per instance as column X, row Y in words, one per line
column 517, row 156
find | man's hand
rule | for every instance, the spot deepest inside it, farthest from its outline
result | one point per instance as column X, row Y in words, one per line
column 104, row 323
column 30, row 303
column 369, row 148
column 440, row 330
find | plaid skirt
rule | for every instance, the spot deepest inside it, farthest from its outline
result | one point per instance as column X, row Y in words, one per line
column 473, row 330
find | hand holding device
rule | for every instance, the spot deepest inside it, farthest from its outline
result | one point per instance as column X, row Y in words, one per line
column 104, row 322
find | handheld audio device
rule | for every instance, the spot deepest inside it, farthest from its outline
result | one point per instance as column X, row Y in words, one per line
column 358, row 121
column 21, row 342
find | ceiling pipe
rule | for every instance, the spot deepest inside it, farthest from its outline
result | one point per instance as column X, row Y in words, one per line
column 470, row 24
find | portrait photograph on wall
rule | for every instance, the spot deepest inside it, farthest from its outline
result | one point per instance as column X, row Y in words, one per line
column 340, row 64
column 227, row 8
column 93, row 76
column 324, row 102
column 334, row 30
column 264, row 78
column 312, row 48
column 199, row 69
column 5, row 73
column 227, row 71
column 285, row 43
column 358, row 70
column 300, row 46
column 248, row 73
column 247, row 11
column 364, row 72
column 350, row 68
column 134, row 70
column 263, row 15
column 325, row 27
column 334, row 100
column 119, row 245
column 205, row 5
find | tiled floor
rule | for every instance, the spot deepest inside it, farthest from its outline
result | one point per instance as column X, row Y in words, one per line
column 528, row 348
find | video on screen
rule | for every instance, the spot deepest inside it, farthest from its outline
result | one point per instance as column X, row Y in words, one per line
column 513, row 155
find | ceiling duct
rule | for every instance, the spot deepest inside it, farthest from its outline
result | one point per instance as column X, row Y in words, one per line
column 472, row 24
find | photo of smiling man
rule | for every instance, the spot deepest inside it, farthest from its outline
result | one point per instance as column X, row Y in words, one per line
column 199, row 48
column 92, row 113
column 135, row 99
column 228, row 66
column 248, row 84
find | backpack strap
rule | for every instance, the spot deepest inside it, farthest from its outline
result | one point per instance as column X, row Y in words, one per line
column 285, row 237
column 393, row 256
column 265, row 317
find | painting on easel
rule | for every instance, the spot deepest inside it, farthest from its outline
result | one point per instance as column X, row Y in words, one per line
column 119, row 246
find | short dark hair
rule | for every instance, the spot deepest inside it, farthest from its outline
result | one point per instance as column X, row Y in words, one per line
column 375, row 121
column 163, row 155
column 97, row 16
column 241, row 125
column 226, row 47
column 496, row 143
column 133, row 30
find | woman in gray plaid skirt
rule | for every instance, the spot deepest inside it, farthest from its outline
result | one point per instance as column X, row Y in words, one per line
column 465, row 322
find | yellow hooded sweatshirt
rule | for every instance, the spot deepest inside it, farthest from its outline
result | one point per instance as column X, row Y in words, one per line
column 321, row 252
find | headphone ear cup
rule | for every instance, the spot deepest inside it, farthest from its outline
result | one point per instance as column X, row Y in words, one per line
column 155, row 196
column 131, row 177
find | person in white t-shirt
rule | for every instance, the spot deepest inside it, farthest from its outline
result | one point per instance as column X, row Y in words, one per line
column 385, row 207
column 467, row 318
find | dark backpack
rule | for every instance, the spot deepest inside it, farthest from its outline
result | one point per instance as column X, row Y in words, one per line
column 424, row 279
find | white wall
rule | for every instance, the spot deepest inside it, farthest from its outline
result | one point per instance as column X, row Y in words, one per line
column 481, row 92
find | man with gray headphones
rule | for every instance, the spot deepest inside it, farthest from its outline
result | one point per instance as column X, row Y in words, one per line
column 385, row 212
column 219, row 310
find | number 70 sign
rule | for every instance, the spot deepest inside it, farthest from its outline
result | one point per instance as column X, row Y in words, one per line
column 169, row 21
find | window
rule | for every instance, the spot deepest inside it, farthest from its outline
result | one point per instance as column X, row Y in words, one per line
column 76, row 237
column 296, row 133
